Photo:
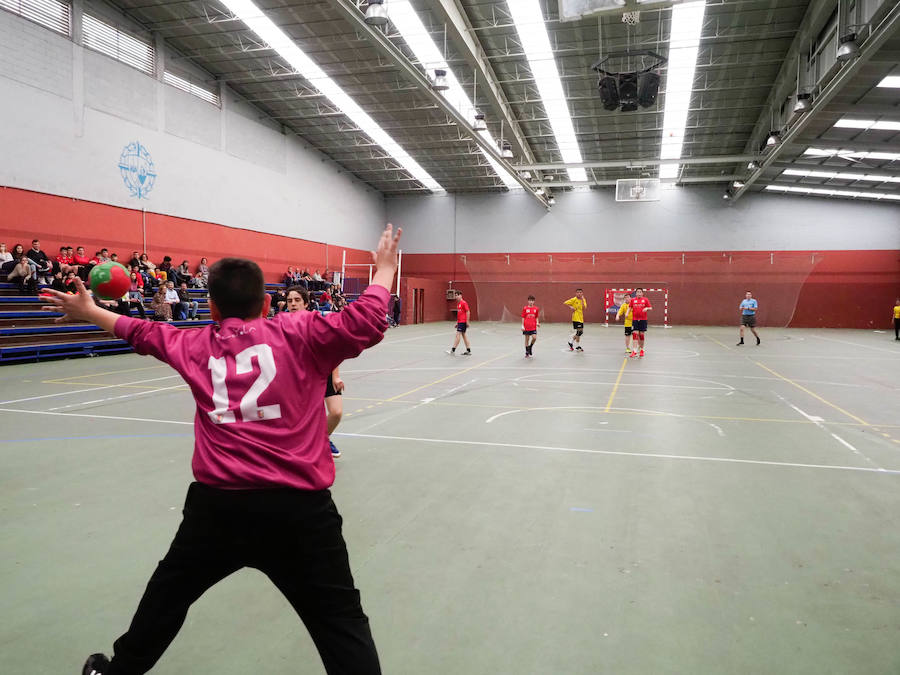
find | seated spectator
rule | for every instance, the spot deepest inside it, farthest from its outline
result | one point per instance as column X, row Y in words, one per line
column 137, row 277
column 75, row 266
column 135, row 296
column 84, row 263
column 182, row 273
column 288, row 278
column 5, row 256
column 96, row 260
column 318, row 282
column 324, row 297
column 173, row 300
column 58, row 283
column 135, row 259
column 203, row 271
column 189, row 306
column 148, row 271
column 70, row 283
column 279, row 301
column 199, row 281
column 17, row 253
column 66, row 264
column 24, row 275
column 103, row 255
column 114, row 257
column 166, row 267
column 161, row 309
column 43, row 266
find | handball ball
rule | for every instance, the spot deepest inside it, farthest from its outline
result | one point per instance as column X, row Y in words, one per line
column 110, row 280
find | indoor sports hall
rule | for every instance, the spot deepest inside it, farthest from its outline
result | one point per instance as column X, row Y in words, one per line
column 622, row 396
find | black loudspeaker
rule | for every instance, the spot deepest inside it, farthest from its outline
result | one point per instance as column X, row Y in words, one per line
column 609, row 92
column 647, row 88
column 628, row 91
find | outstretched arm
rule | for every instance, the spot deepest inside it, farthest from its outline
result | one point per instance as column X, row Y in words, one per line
column 79, row 307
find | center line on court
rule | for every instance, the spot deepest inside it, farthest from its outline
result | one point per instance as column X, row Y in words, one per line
column 615, row 388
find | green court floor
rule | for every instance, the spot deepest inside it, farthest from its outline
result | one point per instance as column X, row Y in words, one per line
column 706, row 509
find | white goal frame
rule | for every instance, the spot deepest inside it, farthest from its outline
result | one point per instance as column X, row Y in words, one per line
column 610, row 292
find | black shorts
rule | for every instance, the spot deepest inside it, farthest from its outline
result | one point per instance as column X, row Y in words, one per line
column 628, row 330
column 577, row 325
column 461, row 327
column 748, row 320
column 329, row 387
column 639, row 325
column 529, row 332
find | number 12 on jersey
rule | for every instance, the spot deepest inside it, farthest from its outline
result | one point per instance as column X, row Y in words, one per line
column 243, row 362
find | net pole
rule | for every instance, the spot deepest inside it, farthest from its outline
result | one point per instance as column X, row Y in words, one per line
column 399, row 269
column 343, row 269
column 606, row 307
column 370, row 275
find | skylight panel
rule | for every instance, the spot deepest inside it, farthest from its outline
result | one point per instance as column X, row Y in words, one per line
column 536, row 43
column 843, row 175
column 825, row 192
column 278, row 40
column 884, row 125
column 890, row 81
column 410, row 26
column 112, row 41
column 51, row 14
column 684, row 44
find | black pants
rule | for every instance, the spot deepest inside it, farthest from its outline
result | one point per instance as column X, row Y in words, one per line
column 292, row 536
column 897, row 328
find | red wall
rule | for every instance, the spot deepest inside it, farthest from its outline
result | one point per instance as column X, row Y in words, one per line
column 58, row 221
column 436, row 307
column 834, row 289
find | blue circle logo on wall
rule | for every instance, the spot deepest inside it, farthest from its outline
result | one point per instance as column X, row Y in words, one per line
column 138, row 172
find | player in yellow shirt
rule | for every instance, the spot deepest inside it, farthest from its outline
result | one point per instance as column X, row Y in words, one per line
column 625, row 309
column 578, row 304
column 897, row 319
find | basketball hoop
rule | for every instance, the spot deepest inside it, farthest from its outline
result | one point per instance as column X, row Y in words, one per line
column 631, row 18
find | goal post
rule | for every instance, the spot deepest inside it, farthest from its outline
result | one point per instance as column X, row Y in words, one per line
column 659, row 299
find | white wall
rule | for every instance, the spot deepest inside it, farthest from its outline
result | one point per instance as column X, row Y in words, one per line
column 685, row 219
column 66, row 113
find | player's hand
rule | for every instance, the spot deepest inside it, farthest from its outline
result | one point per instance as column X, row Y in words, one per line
column 338, row 384
column 385, row 254
column 74, row 307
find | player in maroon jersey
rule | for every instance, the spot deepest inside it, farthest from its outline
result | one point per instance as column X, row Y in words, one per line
column 639, row 308
column 530, row 325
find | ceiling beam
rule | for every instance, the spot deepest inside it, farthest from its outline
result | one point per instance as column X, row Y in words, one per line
column 468, row 46
column 412, row 73
column 638, row 163
column 611, row 182
column 857, row 145
column 879, row 34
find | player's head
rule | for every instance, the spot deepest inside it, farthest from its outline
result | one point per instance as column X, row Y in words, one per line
column 639, row 293
column 579, row 293
column 297, row 299
column 531, row 301
column 748, row 295
column 459, row 295
column 237, row 290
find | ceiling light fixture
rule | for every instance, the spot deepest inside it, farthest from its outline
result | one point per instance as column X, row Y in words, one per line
column 287, row 49
column 890, row 81
column 506, row 150
column 410, row 27
column 539, row 191
column 479, row 124
column 773, row 139
column 804, row 101
column 440, row 80
column 843, row 175
column 376, row 14
column 737, row 185
column 753, row 165
column 847, row 47
column 852, row 154
column 551, row 200
column 535, row 41
column 684, row 44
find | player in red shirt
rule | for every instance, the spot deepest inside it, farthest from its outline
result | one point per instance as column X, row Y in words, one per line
column 462, row 323
column 530, row 323
column 639, row 308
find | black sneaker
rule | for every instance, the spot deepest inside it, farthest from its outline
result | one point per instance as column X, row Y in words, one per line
column 571, row 347
column 468, row 352
column 740, row 343
column 578, row 349
column 97, row 664
column 758, row 340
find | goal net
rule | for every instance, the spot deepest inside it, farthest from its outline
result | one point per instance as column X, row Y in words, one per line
column 659, row 301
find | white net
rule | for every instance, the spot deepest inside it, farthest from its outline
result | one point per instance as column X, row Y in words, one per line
column 631, row 18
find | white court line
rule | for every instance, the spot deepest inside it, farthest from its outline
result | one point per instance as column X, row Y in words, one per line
column 424, row 401
column 116, row 398
column 623, row 384
column 99, row 417
column 81, row 391
column 418, row 337
column 621, row 453
column 856, row 344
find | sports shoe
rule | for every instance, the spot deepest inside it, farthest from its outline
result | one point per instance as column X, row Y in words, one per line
column 468, row 352
column 578, row 349
column 740, row 343
column 571, row 347
column 758, row 341
column 96, row 664
column 334, row 451
column 451, row 352
column 642, row 353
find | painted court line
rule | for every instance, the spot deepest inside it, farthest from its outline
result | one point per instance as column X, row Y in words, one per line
column 98, row 417
column 621, row 453
column 117, row 398
column 81, row 391
column 615, row 388
column 857, row 344
column 814, row 395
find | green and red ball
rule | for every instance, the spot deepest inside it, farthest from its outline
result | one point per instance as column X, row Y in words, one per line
column 110, row 280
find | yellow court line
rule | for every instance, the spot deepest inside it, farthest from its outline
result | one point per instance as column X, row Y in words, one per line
column 65, row 380
column 721, row 344
column 447, row 377
column 615, row 388
column 814, row 395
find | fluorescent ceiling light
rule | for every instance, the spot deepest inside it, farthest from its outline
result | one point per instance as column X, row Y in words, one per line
column 846, row 123
column 824, row 192
column 536, row 44
column 843, row 175
column 410, row 26
column 890, row 81
column 684, row 43
column 832, row 152
column 278, row 40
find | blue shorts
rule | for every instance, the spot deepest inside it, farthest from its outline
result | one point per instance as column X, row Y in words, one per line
column 640, row 325
column 461, row 327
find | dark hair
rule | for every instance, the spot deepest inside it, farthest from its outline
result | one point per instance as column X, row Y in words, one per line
column 104, row 249
column 748, row 291
column 301, row 290
column 531, row 297
column 580, row 289
column 237, row 287
column 639, row 289
column 35, row 241
column 458, row 292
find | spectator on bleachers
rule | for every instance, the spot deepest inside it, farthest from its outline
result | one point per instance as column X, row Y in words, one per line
column 166, row 268
column 173, row 300
column 183, row 273
column 189, row 307
column 199, row 281
column 396, row 307
column 135, row 259
column 114, row 257
column 161, row 309
column 43, row 266
column 288, row 277
column 17, row 253
column 58, row 283
column 137, row 281
column 66, row 264
column 5, row 256
column 338, row 301
column 83, row 262
column 70, row 283
column 70, row 254
column 203, row 271
column 134, row 298
column 24, row 275
column 103, row 255
column 279, row 301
